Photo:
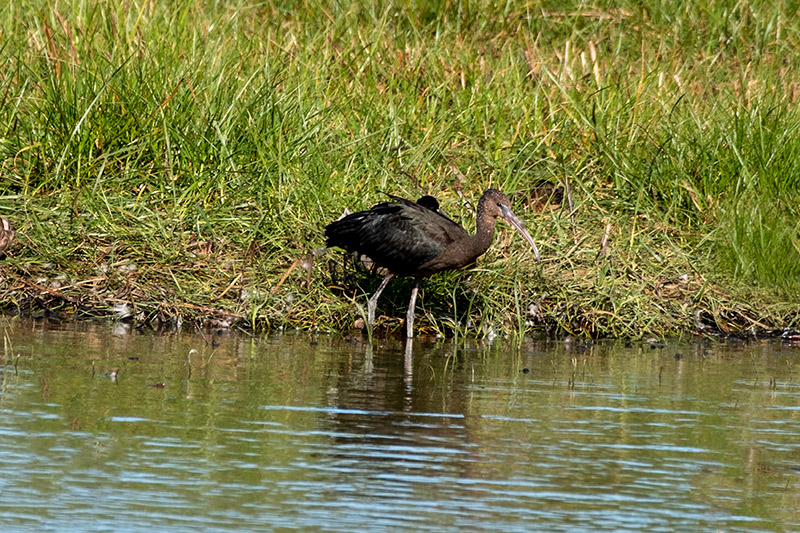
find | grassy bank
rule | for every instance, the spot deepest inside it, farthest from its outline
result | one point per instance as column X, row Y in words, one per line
column 182, row 159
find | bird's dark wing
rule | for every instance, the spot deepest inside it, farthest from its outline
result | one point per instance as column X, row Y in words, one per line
column 427, row 201
column 399, row 235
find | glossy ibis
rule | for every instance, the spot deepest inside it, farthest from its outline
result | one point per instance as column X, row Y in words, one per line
column 416, row 239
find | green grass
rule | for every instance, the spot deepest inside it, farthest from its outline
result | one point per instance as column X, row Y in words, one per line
column 183, row 156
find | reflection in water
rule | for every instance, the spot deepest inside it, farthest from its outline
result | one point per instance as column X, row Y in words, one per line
column 104, row 425
column 387, row 429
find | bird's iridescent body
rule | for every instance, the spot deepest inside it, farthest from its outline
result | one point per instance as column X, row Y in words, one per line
column 416, row 239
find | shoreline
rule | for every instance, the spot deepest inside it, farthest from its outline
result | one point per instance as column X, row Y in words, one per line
column 715, row 314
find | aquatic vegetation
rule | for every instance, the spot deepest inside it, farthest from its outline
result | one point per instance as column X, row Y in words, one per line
column 208, row 146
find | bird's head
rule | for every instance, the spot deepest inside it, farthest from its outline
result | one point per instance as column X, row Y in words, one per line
column 499, row 206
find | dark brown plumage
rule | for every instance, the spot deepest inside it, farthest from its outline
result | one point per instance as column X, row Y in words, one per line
column 427, row 201
column 416, row 239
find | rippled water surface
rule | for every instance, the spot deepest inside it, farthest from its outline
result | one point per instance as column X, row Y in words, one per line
column 109, row 429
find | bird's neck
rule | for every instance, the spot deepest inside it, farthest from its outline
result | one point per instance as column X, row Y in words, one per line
column 484, row 231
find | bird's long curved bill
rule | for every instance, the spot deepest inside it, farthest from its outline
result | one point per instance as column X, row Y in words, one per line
column 520, row 227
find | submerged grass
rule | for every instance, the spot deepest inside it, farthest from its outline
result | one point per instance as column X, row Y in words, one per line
column 181, row 160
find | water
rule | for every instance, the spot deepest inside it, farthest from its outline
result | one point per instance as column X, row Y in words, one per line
column 109, row 429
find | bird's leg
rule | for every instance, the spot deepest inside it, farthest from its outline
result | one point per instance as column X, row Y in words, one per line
column 408, row 374
column 410, row 313
column 373, row 302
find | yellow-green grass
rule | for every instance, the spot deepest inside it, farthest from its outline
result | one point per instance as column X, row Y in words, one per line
column 183, row 157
